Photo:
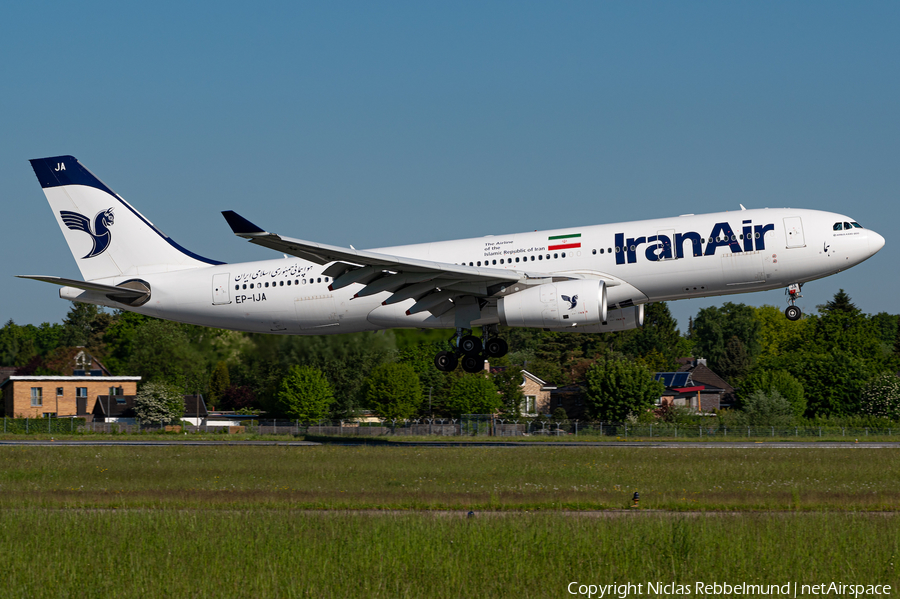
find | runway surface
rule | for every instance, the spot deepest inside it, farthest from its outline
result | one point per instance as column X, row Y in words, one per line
column 445, row 444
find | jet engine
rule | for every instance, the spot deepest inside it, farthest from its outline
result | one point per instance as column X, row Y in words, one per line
column 621, row 319
column 560, row 305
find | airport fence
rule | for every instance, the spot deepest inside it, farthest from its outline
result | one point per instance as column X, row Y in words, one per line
column 469, row 425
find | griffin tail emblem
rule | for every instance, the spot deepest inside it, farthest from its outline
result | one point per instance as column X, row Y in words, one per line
column 100, row 234
column 573, row 301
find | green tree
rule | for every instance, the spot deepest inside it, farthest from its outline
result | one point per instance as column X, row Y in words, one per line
column 881, row 397
column 119, row 340
column 393, row 391
column 473, row 394
column 85, row 325
column 616, row 389
column 346, row 360
column 659, row 338
column 305, row 394
column 735, row 364
column 714, row 327
column 768, row 409
column 777, row 334
column 435, row 383
column 159, row 402
column 163, row 352
column 781, row 381
column 842, row 304
column 509, row 384
column 219, row 382
column 831, row 381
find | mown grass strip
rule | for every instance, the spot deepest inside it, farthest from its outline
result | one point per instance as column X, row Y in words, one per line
column 544, row 478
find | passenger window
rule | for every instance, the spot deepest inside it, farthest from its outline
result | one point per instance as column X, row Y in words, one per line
column 501, row 260
column 517, row 258
column 540, row 256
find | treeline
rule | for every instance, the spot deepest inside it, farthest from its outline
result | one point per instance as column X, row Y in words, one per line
column 839, row 362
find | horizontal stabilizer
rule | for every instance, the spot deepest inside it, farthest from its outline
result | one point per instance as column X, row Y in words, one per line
column 86, row 285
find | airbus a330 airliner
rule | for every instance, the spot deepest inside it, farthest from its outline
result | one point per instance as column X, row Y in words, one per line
column 584, row 279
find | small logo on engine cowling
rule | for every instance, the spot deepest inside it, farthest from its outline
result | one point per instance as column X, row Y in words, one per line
column 573, row 301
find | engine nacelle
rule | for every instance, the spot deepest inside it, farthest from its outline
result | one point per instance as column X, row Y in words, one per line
column 621, row 319
column 560, row 305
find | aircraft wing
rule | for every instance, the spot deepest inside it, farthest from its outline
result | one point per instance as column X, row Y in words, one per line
column 426, row 281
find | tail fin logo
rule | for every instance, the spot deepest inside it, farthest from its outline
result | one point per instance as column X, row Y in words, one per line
column 100, row 235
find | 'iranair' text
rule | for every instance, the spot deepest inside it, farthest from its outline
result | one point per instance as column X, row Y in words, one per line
column 669, row 245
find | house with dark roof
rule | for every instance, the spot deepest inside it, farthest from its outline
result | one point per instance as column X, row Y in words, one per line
column 535, row 390
column 120, row 409
column 696, row 386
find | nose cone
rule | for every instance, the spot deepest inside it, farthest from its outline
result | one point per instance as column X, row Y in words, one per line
column 876, row 242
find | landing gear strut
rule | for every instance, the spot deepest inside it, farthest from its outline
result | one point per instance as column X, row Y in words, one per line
column 792, row 312
column 471, row 350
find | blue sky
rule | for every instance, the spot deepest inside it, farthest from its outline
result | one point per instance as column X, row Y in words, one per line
column 354, row 123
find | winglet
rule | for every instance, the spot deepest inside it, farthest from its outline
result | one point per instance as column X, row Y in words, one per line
column 239, row 224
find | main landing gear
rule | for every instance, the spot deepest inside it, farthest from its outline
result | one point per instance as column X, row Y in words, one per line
column 792, row 312
column 471, row 351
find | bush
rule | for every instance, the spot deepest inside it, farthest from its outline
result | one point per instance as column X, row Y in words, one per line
column 768, row 409
column 617, row 388
column 473, row 394
column 159, row 402
column 881, row 397
column 781, row 381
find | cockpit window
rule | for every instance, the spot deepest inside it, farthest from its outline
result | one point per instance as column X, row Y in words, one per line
column 857, row 225
column 838, row 226
column 847, row 226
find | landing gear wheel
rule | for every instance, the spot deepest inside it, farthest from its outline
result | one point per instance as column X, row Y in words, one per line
column 446, row 361
column 473, row 363
column 793, row 313
column 496, row 348
column 470, row 344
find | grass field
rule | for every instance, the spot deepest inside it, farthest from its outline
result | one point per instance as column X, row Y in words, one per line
column 332, row 521
column 529, row 478
column 176, row 553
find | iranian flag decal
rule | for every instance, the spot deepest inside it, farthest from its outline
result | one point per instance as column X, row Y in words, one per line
column 565, row 242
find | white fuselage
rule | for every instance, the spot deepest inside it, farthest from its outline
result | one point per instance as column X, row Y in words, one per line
column 642, row 261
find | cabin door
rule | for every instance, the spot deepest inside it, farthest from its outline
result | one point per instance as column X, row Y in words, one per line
column 793, row 232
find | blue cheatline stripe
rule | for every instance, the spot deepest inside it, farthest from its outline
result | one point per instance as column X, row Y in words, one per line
column 72, row 172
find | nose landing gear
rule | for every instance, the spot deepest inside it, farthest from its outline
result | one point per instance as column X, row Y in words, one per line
column 471, row 351
column 792, row 312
